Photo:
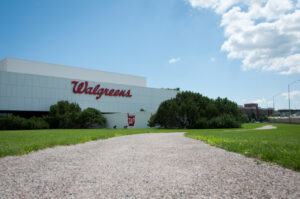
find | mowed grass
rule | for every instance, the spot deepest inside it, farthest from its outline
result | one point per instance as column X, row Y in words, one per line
column 21, row 142
column 281, row 145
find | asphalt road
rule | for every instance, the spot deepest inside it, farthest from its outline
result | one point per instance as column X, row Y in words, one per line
column 143, row 166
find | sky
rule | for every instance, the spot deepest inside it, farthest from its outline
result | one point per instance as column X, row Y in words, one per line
column 245, row 50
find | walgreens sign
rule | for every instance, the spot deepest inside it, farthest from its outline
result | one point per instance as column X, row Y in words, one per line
column 82, row 87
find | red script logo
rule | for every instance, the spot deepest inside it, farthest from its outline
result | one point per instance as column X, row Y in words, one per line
column 84, row 88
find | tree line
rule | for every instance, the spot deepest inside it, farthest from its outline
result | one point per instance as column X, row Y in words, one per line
column 193, row 110
column 63, row 115
column 187, row 110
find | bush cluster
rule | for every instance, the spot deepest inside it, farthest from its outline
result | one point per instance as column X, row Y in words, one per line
column 69, row 115
column 91, row 118
column 12, row 122
column 192, row 110
column 62, row 115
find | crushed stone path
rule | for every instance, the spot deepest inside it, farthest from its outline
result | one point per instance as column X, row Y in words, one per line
column 164, row 165
column 267, row 127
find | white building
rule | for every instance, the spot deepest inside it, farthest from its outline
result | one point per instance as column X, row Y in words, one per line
column 32, row 87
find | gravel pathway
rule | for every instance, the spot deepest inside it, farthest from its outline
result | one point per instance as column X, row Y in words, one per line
column 267, row 127
column 166, row 165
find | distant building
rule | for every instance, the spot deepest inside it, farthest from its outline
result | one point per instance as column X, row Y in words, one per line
column 251, row 110
column 285, row 112
column 254, row 112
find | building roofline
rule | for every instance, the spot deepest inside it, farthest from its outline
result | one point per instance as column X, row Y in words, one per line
column 5, row 59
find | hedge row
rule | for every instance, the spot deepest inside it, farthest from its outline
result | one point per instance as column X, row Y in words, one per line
column 69, row 115
column 61, row 115
column 12, row 122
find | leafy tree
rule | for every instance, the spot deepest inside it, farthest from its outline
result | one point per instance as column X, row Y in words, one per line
column 224, row 121
column 64, row 114
column 166, row 115
column 152, row 121
column 90, row 118
column 192, row 110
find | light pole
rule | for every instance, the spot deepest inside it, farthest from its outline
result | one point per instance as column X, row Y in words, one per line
column 290, row 98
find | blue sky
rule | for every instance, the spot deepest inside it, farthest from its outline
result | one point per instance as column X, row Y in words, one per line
column 174, row 43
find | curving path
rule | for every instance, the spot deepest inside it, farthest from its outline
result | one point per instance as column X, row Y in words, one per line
column 143, row 166
column 267, row 127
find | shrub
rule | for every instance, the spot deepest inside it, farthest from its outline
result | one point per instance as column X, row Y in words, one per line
column 202, row 122
column 12, row 122
column 151, row 121
column 224, row 121
column 90, row 118
column 192, row 110
column 166, row 115
column 64, row 114
column 38, row 123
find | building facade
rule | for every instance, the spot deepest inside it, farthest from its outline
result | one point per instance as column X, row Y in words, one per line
column 254, row 112
column 32, row 87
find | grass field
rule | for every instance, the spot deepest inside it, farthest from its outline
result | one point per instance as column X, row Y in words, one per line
column 281, row 145
column 20, row 142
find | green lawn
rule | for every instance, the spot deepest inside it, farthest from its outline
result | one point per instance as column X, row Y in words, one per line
column 20, row 142
column 281, row 145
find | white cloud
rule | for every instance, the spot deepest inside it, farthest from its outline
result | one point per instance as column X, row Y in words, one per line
column 263, row 34
column 218, row 6
column 263, row 102
column 293, row 94
column 174, row 60
column 260, row 101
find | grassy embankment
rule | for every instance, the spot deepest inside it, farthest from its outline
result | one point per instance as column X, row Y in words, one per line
column 281, row 145
column 19, row 142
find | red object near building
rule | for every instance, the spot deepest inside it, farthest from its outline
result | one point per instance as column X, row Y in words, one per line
column 131, row 119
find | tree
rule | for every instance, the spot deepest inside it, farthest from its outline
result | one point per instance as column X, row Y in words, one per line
column 64, row 114
column 90, row 118
column 166, row 115
column 192, row 110
column 152, row 121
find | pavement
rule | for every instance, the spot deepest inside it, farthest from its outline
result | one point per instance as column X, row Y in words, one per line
column 266, row 127
column 162, row 165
